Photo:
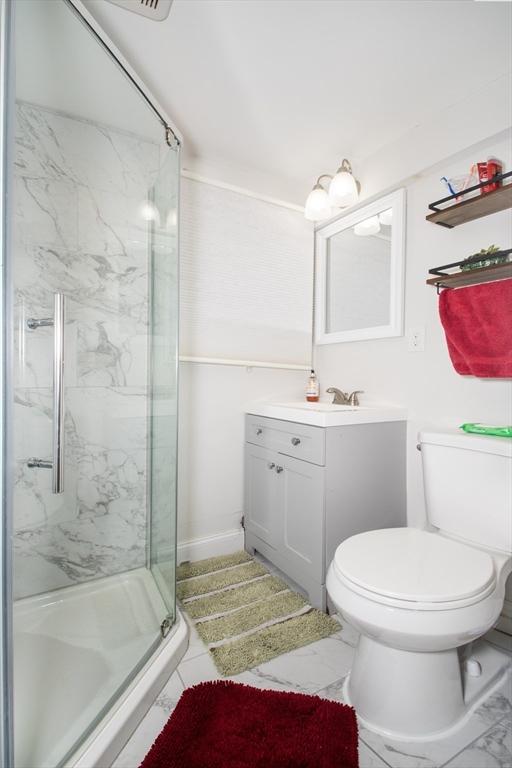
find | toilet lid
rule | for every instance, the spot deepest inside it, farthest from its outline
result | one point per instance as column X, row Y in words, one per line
column 409, row 564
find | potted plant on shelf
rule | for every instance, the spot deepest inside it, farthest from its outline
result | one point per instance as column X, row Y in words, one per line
column 486, row 257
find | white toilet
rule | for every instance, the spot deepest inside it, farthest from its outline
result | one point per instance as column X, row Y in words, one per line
column 417, row 596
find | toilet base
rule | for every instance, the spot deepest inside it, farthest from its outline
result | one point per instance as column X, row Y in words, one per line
column 406, row 695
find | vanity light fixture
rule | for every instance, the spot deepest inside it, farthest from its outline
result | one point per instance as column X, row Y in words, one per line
column 318, row 206
column 343, row 191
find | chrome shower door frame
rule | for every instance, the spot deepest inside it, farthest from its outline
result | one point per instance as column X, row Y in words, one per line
column 6, row 600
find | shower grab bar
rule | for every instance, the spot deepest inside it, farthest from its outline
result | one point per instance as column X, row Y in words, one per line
column 57, row 463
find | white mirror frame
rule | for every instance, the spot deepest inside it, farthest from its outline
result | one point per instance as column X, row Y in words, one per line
column 396, row 201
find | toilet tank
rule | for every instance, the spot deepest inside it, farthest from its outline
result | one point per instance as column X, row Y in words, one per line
column 468, row 486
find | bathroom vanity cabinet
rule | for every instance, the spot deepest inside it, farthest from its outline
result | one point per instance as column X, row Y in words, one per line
column 307, row 488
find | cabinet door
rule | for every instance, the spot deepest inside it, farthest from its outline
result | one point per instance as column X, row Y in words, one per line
column 300, row 499
column 260, row 493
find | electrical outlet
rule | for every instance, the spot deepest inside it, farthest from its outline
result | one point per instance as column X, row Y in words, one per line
column 416, row 339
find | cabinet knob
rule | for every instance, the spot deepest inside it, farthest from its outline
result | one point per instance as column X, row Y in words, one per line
column 279, row 470
column 295, row 441
column 259, row 431
column 271, row 465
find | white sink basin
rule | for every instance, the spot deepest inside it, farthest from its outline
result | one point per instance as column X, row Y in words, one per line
column 324, row 414
column 322, row 407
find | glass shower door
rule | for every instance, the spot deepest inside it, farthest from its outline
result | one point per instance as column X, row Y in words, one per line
column 93, row 281
column 163, row 383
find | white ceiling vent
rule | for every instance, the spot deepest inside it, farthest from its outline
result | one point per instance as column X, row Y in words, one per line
column 152, row 9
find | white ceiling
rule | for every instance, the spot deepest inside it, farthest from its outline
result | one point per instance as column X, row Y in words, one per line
column 283, row 89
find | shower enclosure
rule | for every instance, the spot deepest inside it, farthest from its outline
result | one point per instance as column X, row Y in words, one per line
column 90, row 178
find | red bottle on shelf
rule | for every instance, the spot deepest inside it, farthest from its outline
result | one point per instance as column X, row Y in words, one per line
column 487, row 171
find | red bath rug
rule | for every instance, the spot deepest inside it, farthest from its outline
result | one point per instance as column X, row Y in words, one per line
column 228, row 725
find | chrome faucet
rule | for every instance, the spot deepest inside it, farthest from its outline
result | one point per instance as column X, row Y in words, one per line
column 340, row 398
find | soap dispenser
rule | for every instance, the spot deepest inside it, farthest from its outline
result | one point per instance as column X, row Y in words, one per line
column 313, row 388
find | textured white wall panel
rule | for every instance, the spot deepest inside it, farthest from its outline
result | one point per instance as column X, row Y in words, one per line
column 246, row 277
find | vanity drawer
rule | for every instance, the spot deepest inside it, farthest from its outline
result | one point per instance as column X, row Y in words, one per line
column 298, row 440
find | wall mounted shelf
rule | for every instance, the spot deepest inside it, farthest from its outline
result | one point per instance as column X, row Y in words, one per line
column 443, row 279
column 473, row 207
column 473, row 276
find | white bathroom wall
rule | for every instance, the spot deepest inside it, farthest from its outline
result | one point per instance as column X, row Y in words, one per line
column 245, row 277
column 212, row 401
column 246, row 293
column 425, row 382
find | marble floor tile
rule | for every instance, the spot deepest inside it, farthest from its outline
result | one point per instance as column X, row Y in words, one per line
column 492, row 750
column 433, row 754
column 310, row 668
column 198, row 670
column 258, row 681
column 170, row 694
column 334, row 691
column 368, row 758
column 485, row 741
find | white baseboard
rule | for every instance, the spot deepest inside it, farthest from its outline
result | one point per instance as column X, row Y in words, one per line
column 222, row 544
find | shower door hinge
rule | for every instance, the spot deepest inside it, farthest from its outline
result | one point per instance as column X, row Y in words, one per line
column 165, row 626
column 170, row 138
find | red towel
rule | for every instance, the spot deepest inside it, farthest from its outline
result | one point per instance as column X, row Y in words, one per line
column 477, row 321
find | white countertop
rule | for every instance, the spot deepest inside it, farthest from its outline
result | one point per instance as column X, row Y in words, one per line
column 325, row 414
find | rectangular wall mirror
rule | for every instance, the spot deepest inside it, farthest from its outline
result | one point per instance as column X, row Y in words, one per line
column 359, row 273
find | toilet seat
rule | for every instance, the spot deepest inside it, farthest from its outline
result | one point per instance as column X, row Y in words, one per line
column 415, row 569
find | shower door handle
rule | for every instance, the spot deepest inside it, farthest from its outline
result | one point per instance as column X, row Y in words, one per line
column 57, row 463
column 58, row 394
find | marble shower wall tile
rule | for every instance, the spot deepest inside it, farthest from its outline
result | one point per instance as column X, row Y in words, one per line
column 98, row 526
column 79, row 229
column 112, row 222
column 106, row 318
column 46, row 212
column 52, row 145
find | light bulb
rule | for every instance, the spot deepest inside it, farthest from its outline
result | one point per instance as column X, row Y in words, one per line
column 367, row 227
column 317, row 206
column 149, row 212
column 343, row 189
column 386, row 217
column 172, row 219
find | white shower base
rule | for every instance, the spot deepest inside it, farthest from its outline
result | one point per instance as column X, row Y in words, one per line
column 73, row 649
